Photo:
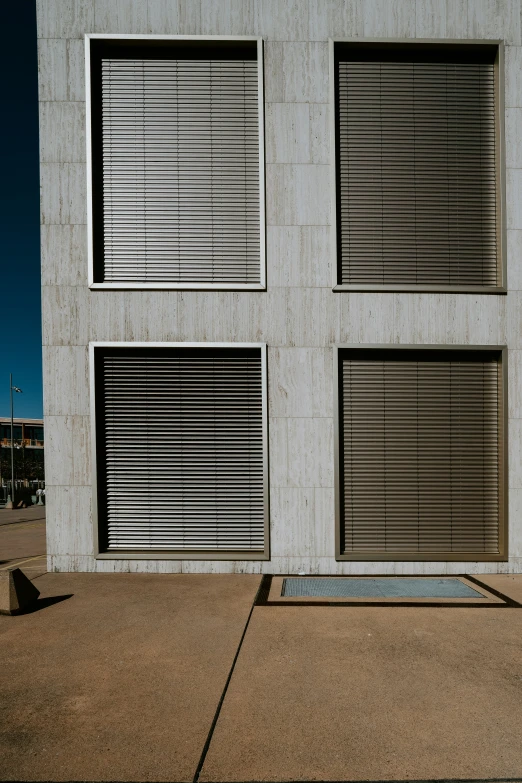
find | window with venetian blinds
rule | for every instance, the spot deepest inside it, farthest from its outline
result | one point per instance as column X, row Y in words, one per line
column 417, row 166
column 421, row 454
column 181, row 450
column 177, row 161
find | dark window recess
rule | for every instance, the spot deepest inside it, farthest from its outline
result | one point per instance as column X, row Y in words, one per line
column 420, row 454
column 180, row 449
column 417, row 163
column 175, row 162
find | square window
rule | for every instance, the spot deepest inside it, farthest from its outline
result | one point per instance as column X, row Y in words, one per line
column 176, row 163
column 180, row 436
column 421, row 461
column 418, row 139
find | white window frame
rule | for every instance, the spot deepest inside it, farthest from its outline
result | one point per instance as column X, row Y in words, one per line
column 261, row 286
column 179, row 554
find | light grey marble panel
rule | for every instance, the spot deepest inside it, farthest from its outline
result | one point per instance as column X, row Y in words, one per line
column 233, row 316
column 76, row 69
column 287, row 133
column 514, row 138
column 290, row 381
column 70, row 563
column 66, row 380
column 227, row 17
column 515, row 385
column 59, row 451
column 109, row 314
column 441, row 19
column 494, row 19
column 515, row 523
column 514, row 259
column 322, row 382
column 281, row 21
column 514, row 198
column 430, row 19
column 64, row 18
column 320, row 133
column 67, row 451
column 300, row 382
column 66, row 315
column 324, row 524
column 456, row 18
column 515, row 450
column 296, row 72
column 64, row 255
column 204, row 315
column 146, row 316
column 299, row 256
column 292, row 521
column 336, row 19
column 70, row 533
column 280, row 565
column 513, row 76
column 423, row 318
column 278, row 451
column 63, row 193
column 389, row 18
column 52, row 69
column 120, row 16
column 163, row 17
column 62, row 132
column 313, row 317
column 81, row 462
column 514, row 319
column 298, row 195
column 310, row 452
column 61, row 69
column 189, row 17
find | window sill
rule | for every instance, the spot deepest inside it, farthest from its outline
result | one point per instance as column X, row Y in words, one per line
column 422, row 289
column 177, row 287
column 188, row 555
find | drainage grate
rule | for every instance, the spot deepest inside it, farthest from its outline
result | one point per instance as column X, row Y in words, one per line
column 385, row 587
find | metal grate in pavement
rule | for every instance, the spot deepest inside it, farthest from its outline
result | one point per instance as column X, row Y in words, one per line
column 379, row 587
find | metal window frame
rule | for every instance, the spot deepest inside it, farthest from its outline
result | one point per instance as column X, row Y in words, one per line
column 500, row 159
column 96, row 285
column 503, row 519
column 179, row 554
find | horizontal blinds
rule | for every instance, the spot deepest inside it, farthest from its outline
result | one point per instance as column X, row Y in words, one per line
column 180, row 171
column 182, row 443
column 420, row 454
column 416, row 173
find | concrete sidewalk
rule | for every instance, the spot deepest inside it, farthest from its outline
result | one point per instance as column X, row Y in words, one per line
column 22, row 540
column 119, row 677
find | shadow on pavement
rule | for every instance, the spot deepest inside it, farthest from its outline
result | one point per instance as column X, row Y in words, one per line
column 43, row 603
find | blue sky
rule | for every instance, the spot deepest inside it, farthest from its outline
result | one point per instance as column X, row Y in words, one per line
column 20, row 315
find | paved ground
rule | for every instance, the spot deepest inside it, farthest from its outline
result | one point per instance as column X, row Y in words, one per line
column 22, row 539
column 121, row 680
column 118, row 677
column 373, row 694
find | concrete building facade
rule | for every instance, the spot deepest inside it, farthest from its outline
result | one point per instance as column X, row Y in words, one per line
column 298, row 315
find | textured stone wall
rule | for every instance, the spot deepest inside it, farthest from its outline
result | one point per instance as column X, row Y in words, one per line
column 299, row 316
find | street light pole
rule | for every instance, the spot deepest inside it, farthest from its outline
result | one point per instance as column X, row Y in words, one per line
column 10, row 499
column 12, row 438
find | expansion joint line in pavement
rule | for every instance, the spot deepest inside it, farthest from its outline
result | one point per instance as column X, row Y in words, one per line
column 206, row 746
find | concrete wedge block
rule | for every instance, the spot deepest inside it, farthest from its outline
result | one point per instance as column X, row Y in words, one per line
column 17, row 592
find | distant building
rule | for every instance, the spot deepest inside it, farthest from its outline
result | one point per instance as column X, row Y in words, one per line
column 28, row 453
column 27, row 432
